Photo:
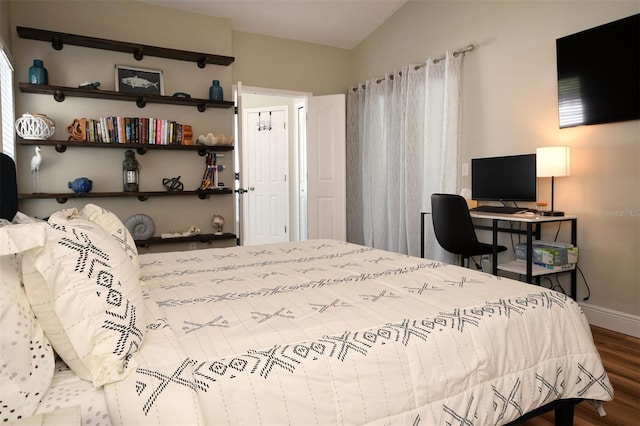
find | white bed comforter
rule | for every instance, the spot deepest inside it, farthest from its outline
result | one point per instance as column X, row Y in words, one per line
column 325, row 332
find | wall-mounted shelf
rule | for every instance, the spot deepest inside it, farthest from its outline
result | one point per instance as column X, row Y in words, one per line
column 61, row 146
column 59, row 93
column 58, row 40
column 142, row 195
column 202, row 238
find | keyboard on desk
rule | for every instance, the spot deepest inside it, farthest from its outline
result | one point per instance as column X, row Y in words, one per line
column 499, row 209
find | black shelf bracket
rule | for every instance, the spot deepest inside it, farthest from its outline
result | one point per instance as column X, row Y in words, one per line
column 138, row 54
column 56, row 42
column 58, row 95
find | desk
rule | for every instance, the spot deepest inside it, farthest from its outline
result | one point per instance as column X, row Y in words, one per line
column 533, row 224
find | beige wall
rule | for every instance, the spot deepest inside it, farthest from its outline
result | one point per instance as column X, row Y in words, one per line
column 273, row 62
column 509, row 106
column 5, row 23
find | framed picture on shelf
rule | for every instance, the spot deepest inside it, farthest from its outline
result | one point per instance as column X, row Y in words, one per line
column 139, row 80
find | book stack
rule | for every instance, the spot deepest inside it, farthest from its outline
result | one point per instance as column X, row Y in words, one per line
column 136, row 130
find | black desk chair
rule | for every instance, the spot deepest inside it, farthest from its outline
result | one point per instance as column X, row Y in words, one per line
column 8, row 187
column 454, row 229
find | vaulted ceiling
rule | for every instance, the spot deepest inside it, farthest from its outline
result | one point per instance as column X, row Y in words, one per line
column 337, row 23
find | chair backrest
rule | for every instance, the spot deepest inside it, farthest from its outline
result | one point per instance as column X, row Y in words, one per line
column 452, row 224
column 8, row 187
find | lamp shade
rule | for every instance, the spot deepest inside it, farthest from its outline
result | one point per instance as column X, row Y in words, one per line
column 553, row 161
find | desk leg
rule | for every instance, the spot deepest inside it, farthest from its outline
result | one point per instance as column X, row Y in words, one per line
column 422, row 235
column 529, row 277
column 574, row 273
column 494, row 262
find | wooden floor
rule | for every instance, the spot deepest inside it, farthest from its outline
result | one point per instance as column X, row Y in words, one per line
column 621, row 358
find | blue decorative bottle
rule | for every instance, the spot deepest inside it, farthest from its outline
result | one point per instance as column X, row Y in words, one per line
column 38, row 73
column 215, row 91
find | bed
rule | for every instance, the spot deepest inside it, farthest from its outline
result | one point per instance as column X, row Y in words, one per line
column 315, row 332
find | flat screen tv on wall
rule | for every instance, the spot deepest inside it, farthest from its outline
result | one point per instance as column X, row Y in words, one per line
column 598, row 74
column 508, row 178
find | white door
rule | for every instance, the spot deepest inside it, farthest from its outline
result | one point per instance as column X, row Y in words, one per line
column 266, row 209
column 301, row 201
column 326, row 167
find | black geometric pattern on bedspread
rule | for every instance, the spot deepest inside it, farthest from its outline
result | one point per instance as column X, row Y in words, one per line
column 285, row 358
column 302, row 261
column 94, row 263
column 300, row 286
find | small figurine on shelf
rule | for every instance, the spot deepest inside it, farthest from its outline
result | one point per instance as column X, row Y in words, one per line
column 81, row 185
column 217, row 222
column 36, row 162
column 130, row 172
column 78, row 129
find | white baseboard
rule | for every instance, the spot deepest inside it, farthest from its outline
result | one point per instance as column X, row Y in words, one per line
column 617, row 321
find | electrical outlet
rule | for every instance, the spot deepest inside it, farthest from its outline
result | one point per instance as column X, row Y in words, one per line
column 193, row 246
column 465, row 169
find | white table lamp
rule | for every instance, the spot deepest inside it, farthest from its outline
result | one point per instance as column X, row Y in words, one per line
column 553, row 161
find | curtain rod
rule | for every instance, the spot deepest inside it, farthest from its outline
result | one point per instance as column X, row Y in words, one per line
column 462, row 51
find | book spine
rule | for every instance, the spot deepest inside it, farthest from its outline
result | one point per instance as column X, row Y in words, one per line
column 179, row 134
column 127, row 127
column 159, row 132
column 121, row 130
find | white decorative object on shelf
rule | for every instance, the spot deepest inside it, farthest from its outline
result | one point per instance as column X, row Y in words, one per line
column 209, row 139
column 35, row 126
column 36, row 162
column 217, row 222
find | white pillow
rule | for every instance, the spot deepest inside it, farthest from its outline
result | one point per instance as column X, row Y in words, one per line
column 85, row 293
column 114, row 226
column 26, row 357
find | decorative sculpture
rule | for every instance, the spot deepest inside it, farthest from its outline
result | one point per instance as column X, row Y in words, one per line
column 217, row 222
column 36, row 162
column 172, row 184
column 78, row 129
column 81, row 185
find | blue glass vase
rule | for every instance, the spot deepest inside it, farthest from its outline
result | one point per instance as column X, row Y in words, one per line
column 215, row 91
column 38, row 73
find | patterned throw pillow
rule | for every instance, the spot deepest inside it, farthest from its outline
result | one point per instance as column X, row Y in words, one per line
column 85, row 293
column 114, row 226
column 26, row 357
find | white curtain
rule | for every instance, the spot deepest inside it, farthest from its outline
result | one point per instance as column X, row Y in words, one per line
column 402, row 146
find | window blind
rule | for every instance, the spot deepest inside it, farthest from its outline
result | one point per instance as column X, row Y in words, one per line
column 7, row 102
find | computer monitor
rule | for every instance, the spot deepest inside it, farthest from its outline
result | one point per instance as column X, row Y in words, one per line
column 507, row 178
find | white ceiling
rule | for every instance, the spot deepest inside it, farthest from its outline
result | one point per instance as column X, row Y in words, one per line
column 337, row 23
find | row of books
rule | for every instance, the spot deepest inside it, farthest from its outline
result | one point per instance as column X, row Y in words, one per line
column 140, row 130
